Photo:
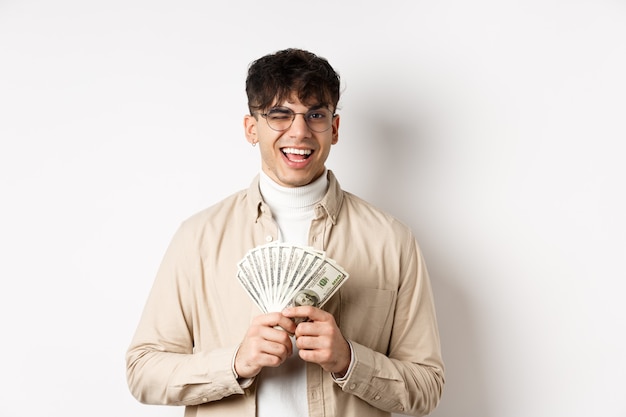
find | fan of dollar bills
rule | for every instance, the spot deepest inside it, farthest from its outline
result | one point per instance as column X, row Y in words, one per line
column 279, row 275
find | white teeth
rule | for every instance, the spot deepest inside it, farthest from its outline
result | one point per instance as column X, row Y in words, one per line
column 297, row 151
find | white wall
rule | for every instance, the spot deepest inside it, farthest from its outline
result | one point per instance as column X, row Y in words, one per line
column 495, row 129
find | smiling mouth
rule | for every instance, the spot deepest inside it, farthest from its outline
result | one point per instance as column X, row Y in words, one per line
column 296, row 155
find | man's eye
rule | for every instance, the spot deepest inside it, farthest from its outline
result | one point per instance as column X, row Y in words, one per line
column 279, row 115
column 316, row 115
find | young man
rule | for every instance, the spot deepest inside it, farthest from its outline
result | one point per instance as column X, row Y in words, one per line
column 372, row 350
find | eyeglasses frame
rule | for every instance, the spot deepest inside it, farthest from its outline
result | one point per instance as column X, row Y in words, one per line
column 294, row 114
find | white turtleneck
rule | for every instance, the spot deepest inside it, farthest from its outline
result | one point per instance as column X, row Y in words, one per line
column 293, row 207
column 282, row 391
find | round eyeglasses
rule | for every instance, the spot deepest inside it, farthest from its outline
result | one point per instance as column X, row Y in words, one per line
column 281, row 119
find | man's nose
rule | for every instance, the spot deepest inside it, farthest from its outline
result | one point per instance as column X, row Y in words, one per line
column 299, row 125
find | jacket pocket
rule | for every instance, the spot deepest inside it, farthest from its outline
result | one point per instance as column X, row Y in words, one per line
column 366, row 315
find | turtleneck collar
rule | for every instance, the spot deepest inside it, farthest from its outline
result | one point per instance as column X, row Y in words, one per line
column 296, row 198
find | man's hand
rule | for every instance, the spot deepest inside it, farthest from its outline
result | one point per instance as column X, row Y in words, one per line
column 320, row 340
column 265, row 344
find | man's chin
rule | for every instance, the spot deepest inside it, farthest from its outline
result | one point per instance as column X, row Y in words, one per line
column 296, row 180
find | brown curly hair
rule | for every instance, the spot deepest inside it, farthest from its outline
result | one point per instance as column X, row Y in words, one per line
column 276, row 77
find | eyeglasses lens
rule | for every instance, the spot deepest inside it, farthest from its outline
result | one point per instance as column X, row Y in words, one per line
column 280, row 119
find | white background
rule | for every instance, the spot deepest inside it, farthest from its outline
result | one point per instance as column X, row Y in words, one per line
column 496, row 129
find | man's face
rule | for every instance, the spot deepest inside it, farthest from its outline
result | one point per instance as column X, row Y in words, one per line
column 296, row 156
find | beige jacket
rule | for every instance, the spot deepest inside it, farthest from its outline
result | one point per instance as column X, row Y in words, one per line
column 197, row 313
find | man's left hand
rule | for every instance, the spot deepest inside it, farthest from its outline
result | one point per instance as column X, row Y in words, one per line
column 320, row 340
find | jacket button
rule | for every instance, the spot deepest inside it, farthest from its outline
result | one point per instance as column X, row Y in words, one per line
column 352, row 386
column 269, row 238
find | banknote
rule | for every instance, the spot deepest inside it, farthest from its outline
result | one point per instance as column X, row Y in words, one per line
column 278, row 275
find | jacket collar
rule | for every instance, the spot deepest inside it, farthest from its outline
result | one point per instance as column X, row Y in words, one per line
column 329, row 205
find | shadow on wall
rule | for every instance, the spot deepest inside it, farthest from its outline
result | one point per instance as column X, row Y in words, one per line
column 400, row 181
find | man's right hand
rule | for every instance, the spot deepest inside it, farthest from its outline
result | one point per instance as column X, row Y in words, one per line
column 265, row 344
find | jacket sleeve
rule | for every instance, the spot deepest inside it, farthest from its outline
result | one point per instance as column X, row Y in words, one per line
column 161, row 365
column 409, row 378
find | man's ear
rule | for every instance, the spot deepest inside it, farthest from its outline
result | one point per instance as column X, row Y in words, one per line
column 249, row 126
column 335, row 127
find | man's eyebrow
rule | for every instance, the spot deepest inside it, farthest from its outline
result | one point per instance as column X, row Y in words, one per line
column 312, row 108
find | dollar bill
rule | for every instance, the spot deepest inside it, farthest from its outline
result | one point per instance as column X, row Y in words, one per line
column 279, row 275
